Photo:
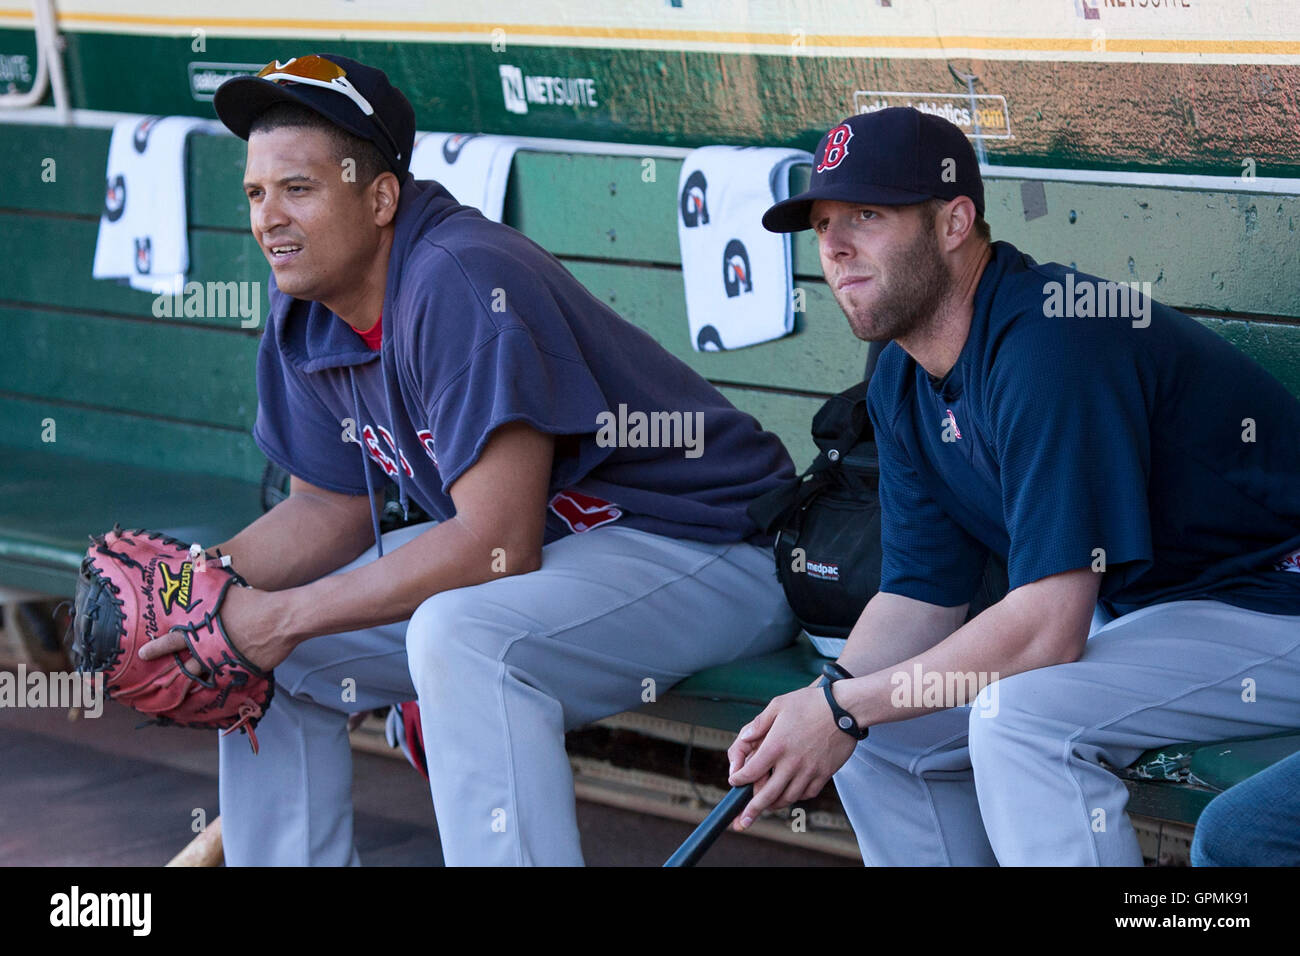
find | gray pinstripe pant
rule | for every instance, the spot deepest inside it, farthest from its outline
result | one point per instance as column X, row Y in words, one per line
column 501, row 671
column 1017, row 778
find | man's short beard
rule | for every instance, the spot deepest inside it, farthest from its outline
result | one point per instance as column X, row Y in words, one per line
column 919, row 281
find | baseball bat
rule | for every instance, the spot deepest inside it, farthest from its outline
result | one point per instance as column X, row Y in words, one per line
column 698, row 843
column 204, row 849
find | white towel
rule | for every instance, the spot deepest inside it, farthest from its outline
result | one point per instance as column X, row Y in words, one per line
column 473, row 167
column 142, row 231
column 737, row 274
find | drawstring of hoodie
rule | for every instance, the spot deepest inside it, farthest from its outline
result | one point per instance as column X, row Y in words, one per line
column 365, row 464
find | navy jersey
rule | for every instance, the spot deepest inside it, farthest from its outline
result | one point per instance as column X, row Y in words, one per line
column 482, row 327
column 1138, row 442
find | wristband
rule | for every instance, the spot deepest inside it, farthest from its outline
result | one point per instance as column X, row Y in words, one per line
column 200, row 558
column 831, row 672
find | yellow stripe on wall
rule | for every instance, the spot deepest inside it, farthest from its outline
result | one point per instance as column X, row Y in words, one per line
column 673, row 38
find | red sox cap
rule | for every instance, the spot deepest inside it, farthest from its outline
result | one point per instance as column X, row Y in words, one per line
column 891, row 157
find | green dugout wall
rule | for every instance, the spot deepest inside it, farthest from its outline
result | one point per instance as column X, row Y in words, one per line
column 188, row 403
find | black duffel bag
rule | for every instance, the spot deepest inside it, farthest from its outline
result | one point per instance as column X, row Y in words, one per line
column 827, row 527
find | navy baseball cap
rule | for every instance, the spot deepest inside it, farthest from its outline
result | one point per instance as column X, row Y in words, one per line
column 891, row 157
column 349, row 94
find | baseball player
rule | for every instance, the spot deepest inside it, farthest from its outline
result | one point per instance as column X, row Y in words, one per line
column 575, row 569
column 1138, row 474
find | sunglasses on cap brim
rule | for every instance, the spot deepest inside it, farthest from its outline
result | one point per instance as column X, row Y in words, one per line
column 315, row 70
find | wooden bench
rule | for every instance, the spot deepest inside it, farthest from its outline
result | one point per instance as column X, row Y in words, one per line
column 151, row 417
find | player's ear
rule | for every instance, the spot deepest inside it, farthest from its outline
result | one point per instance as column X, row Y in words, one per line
column 385, row 192
column 956, row 220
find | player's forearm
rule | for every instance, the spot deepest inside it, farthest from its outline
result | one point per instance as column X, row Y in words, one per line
column 893, row 628
column 390, row 589
column 299, row 540
column 1040, row 625
column 992, row 646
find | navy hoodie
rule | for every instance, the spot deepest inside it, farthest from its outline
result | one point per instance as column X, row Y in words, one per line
column 481, row 327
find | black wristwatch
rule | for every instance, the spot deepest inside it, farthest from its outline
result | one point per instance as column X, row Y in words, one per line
column 831, row 672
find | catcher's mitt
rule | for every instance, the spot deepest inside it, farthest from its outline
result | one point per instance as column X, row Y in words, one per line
column 136, row 586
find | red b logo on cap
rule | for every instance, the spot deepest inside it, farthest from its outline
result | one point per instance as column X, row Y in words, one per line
column 837, row 147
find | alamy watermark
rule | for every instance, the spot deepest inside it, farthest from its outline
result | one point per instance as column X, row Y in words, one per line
column 61, row 689
column 210, row 300
column 1089, row 299
column 131, row 911
column 638, row 429
column 943, row 689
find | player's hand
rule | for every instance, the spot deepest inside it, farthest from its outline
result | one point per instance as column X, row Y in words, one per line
column 788, row 752
column 248, row 618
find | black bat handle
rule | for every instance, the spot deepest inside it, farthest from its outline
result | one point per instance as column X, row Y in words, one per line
column 698, row 843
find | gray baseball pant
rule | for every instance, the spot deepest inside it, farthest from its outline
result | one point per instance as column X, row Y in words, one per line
column 1018, row 779
column 501, row 670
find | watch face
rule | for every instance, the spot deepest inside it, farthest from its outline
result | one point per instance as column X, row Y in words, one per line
column 846, row 723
